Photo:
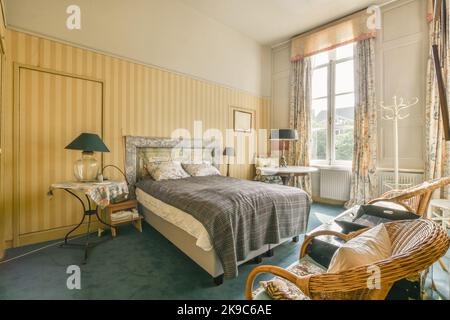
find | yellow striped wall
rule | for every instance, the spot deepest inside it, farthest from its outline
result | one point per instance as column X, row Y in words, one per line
column 2, row 103
column 137, row 100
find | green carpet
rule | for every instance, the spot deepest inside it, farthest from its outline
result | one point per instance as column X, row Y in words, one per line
column 131, row 266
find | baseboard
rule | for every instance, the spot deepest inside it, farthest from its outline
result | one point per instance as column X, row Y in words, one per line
column 54, row 234
column 328, row 201
column 8, row 244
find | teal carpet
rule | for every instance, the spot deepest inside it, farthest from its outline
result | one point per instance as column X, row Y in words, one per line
column 133, row 266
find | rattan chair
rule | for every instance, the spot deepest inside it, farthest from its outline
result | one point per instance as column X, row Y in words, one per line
column 416, row 245
column 415, row 199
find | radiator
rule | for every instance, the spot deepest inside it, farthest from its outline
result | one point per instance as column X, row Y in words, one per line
column 335, row 184
column 411, row 179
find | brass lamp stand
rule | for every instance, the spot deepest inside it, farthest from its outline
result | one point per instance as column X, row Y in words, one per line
column 228, row 152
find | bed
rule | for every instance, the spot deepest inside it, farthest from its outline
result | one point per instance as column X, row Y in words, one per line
column 219, row 222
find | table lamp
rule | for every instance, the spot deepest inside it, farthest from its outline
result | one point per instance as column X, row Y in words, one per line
column 283, row 135
column 228, row 152
column 87, row 167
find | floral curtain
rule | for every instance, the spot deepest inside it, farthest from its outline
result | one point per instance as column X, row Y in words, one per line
column 436, row 149
column 300, row 118
column 363, row 185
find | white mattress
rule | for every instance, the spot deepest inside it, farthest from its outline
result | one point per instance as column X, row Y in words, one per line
column 181, row 219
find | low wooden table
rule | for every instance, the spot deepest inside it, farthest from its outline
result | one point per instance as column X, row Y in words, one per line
column 439, row 211
column 286, row 173
column 126, row 205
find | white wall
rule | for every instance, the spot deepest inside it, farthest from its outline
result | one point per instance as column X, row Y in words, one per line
column 402, row 53
column 280, row 86
column 167, row 34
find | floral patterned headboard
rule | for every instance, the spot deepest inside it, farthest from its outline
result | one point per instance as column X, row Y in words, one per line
column 163, row 149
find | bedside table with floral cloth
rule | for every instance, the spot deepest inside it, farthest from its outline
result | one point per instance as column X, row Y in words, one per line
column 101, row 193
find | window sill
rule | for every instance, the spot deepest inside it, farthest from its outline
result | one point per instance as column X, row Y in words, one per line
column 332, row 167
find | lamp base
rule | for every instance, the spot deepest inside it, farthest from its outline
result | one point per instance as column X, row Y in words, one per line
column 283, row 162
column 86, row 169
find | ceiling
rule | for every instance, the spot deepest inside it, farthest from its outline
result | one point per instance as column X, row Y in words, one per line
column 272, row 21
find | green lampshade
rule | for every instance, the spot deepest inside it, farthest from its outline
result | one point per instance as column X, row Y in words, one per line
column 89, row 142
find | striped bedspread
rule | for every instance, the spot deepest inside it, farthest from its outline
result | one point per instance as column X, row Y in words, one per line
column 239, row 215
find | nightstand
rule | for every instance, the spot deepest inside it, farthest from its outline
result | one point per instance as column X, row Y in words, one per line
column 100, row 193
column 123, row 206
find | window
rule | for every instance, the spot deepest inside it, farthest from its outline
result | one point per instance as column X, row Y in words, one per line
column 333, row 107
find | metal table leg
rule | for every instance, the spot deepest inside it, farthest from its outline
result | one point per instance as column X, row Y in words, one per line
column 82, row 219
column 89, row 212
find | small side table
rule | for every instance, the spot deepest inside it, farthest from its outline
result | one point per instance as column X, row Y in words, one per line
column 101, row 193
column 439, row 211
column 286, row 173
column 126, row 205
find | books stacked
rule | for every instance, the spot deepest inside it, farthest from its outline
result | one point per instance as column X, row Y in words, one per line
column 125, row 215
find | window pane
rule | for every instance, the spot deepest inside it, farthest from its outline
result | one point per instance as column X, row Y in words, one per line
column 320, row 59
column 344, row 52
column 319, row 118
column 345, row 101
column 345, row 79
column 344, row 119
column 320, row 83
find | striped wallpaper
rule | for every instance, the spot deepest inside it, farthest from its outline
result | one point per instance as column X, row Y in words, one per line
column 2, row 100
column 137, row 100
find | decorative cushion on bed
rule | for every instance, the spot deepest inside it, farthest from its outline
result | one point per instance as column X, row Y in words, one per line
column 281, row 289
column 201, row 170
column 369, row 247
column 267, row 162
column 168, row 170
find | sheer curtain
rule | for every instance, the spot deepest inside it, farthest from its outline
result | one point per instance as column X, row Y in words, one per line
column 300, row 118
column 363, row 185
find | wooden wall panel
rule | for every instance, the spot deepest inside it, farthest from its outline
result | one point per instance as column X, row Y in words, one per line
column 2, row 132
column 52, row 109
column 138, row 100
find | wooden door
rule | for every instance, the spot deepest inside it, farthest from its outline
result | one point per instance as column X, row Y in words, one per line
column 53, row 109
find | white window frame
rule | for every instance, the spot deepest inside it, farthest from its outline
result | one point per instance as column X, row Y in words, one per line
column 331, row 89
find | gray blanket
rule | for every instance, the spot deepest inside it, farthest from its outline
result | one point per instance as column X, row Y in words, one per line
column 239, row 215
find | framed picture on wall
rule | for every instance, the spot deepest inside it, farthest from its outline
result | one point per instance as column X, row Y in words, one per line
column 242, row 121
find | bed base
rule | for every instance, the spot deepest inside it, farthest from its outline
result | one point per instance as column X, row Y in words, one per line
column 218, row 280
column 207, row 260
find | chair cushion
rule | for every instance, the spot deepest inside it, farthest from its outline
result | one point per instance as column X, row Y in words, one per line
column 389, row 205
column 369, row 247
column 281, row 289
column 267, row 162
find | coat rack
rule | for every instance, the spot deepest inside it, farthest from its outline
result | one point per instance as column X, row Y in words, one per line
column 395, row 113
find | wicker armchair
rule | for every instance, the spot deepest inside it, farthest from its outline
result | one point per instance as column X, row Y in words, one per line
column 416, row 245
column 415, row 199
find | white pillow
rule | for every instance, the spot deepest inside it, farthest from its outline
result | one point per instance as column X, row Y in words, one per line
column 168, row 170
column 267, row 162
column 369, row 247
column 201, row 170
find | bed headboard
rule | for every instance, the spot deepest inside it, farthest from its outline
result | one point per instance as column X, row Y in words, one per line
column 163, row 149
